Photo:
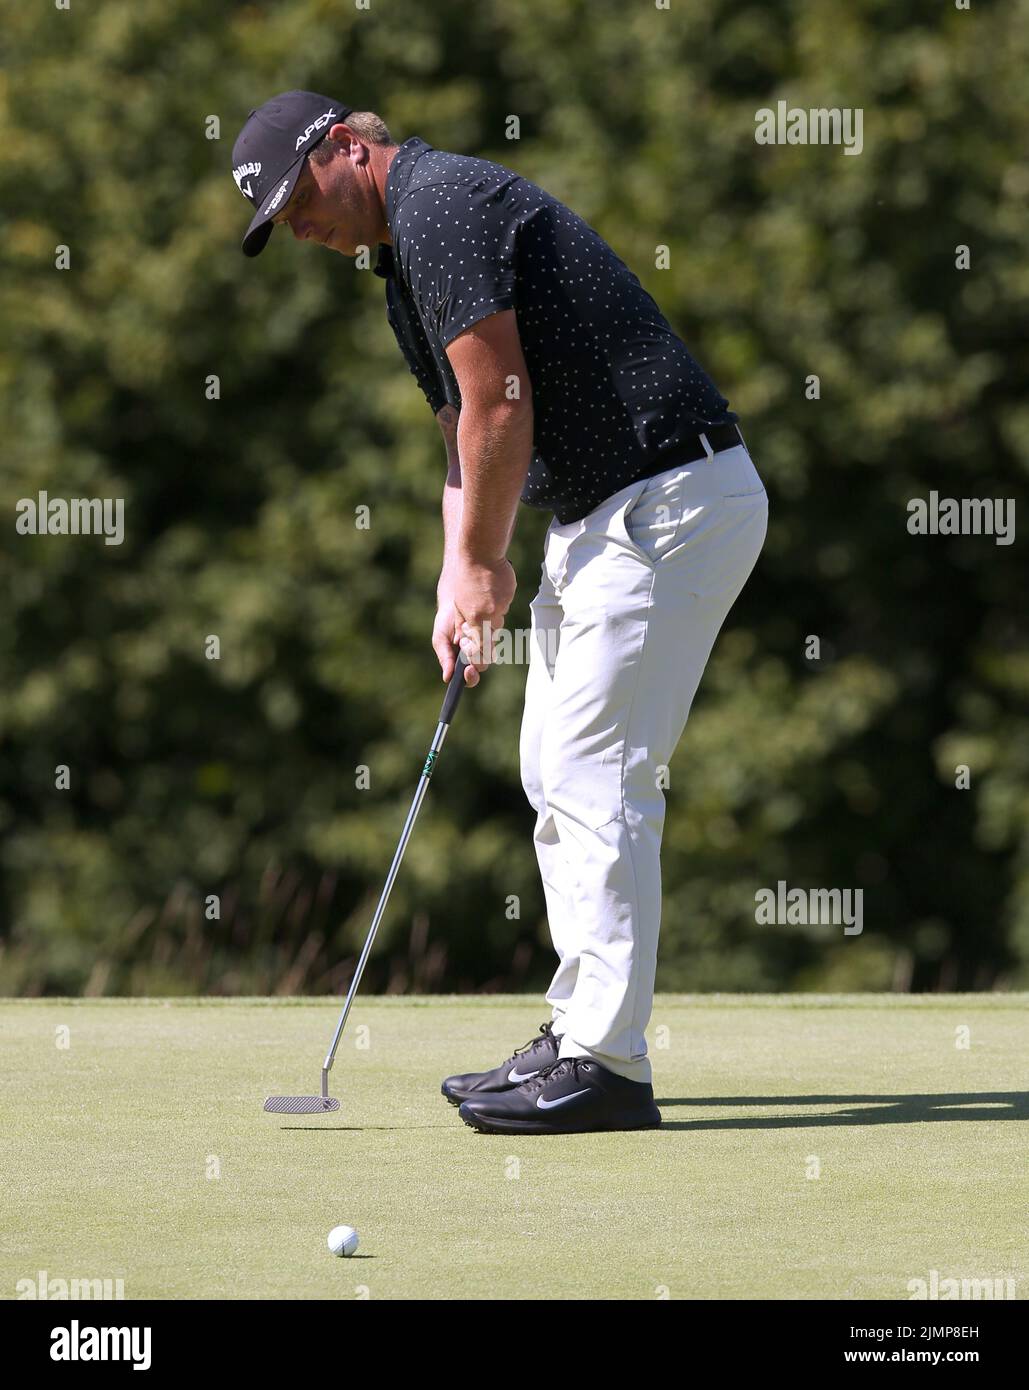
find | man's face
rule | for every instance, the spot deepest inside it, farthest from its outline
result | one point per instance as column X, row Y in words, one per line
column 336, row 204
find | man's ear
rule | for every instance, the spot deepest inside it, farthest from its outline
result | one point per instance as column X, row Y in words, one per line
column 350, row 142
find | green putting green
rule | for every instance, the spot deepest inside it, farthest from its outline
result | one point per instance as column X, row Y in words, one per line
column 135, row 1148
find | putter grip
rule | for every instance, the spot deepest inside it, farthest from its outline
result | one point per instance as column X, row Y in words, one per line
column 454, row 689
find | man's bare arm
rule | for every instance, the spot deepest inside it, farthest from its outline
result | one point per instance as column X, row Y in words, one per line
column 448, row 419
column 489, row 445
column 494, row 433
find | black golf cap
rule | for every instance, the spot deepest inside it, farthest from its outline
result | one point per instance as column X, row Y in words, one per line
column 270, row 150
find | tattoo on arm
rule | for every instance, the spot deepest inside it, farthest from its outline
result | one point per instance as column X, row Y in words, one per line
column 448, row 418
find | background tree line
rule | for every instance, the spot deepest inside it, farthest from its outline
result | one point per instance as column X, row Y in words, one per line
column 237, row 777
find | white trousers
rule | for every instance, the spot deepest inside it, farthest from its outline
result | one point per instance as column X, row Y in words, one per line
column 630, row 603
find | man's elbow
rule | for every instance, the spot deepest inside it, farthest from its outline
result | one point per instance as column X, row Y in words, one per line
column 507, row 403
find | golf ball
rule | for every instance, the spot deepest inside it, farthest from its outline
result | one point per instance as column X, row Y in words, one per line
column 343, row 1240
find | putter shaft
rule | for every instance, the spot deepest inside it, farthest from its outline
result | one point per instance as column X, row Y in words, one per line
column 453, row 694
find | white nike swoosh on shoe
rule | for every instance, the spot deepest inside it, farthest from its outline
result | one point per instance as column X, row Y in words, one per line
column 561, row 1100
column 517, row 1076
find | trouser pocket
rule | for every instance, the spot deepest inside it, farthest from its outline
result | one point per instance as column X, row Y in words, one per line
column 738, row 479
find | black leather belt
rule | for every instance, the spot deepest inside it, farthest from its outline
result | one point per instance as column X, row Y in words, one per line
column 718, row 436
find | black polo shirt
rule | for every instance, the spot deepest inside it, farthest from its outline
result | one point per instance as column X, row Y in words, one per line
column 615, row 392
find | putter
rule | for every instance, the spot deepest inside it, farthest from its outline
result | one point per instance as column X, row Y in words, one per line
column 318, row 1105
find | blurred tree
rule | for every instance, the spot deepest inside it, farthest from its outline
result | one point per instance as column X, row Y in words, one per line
column 238, row 777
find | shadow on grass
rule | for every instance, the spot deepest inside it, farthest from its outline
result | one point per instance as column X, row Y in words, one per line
column 353, row 1129
column 876, row 1110
column 879, row 1110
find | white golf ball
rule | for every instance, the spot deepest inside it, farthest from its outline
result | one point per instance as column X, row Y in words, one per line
column 343, row 1240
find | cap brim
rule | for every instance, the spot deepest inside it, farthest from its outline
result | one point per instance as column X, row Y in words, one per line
column 261, row 225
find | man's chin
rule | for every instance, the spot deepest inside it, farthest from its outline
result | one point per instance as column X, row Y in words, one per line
column 332, row 243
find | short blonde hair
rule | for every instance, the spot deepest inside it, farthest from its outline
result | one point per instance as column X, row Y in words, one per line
column 371, row 128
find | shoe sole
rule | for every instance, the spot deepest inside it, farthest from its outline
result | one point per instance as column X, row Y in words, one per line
column 486, row 1126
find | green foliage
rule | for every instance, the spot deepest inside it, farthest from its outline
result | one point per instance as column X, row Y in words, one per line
column 236, row 777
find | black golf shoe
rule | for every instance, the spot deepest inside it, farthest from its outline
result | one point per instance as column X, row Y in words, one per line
column 574, row 1096
column 523, row 1065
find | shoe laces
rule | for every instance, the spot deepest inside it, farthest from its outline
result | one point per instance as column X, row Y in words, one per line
column 546, row 1034
column 564, row 1066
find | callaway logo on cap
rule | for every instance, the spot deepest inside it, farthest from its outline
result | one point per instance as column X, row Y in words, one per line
column 269, row 154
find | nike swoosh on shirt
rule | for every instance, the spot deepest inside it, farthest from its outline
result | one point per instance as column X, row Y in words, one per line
column 560, row 1100
column 517, row 1076
column 440, row 309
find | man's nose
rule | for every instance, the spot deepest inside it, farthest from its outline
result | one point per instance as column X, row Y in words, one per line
column 299, row 227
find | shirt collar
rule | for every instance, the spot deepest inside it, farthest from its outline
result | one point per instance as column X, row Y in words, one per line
column 397, row 179
column 384, row 265
column 400, row 172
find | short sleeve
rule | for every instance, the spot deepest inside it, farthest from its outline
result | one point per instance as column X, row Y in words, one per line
column 456, row 244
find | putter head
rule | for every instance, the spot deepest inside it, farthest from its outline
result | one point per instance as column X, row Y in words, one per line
column 300, row 1105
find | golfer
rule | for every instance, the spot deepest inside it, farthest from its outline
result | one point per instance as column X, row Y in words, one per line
column 557, row 382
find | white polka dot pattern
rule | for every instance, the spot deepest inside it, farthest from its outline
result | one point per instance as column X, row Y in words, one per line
column 615, row 390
